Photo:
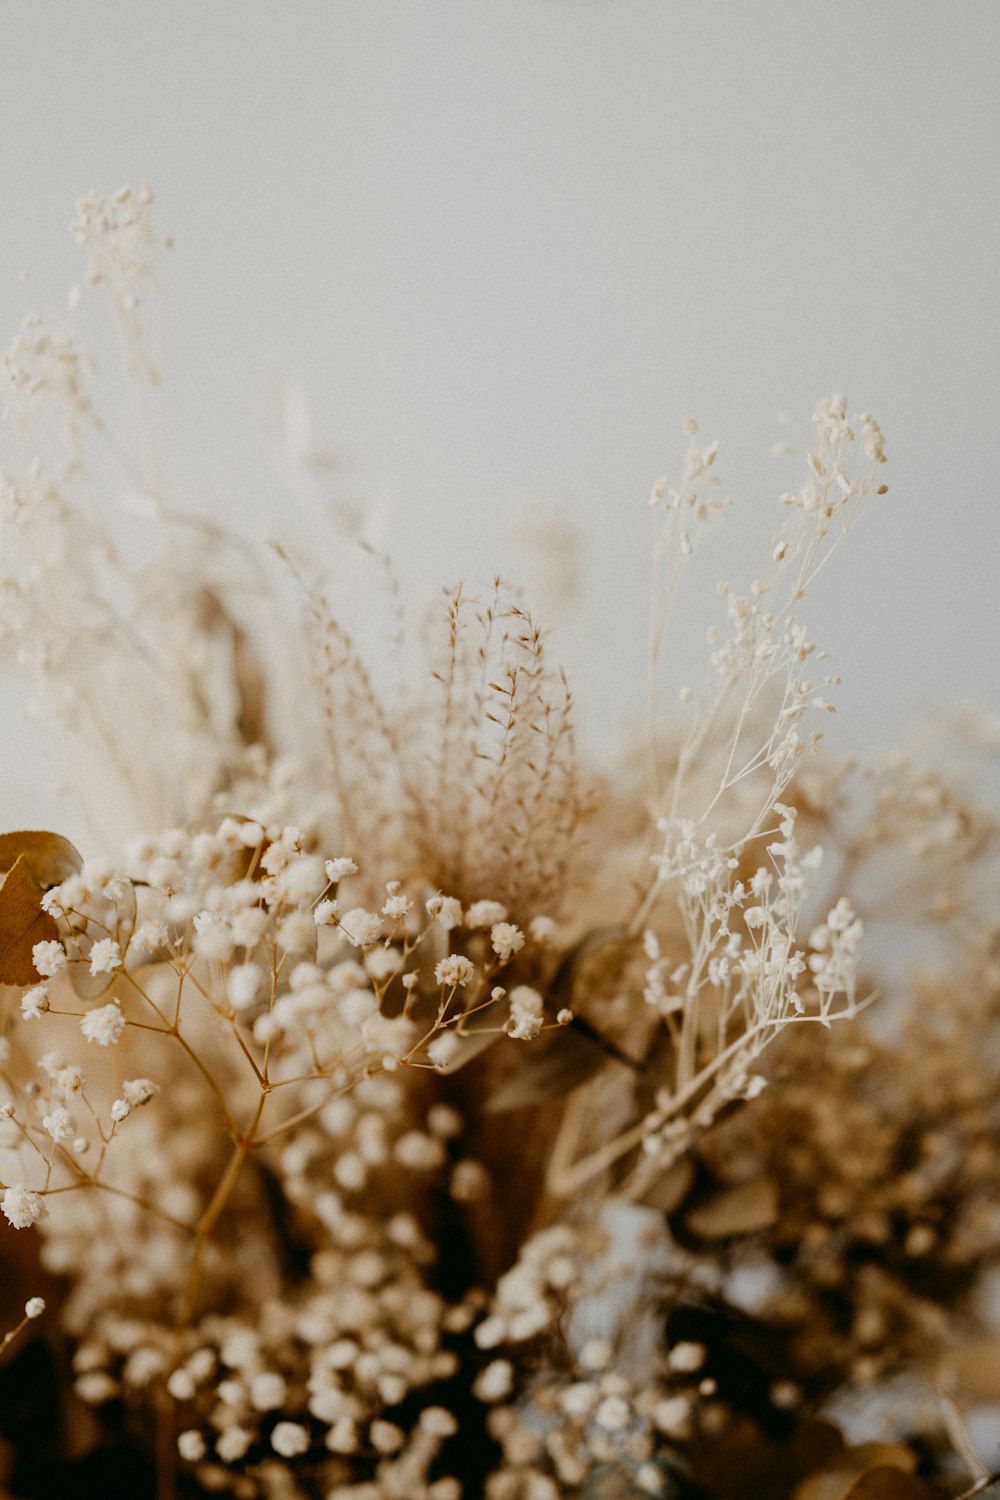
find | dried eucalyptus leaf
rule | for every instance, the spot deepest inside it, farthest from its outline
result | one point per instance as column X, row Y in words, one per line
column 50, row 857
column 883, row 1455
column 886, row 1483
column 837, row 1482
column 832, row 1484
column 737, row 1210
column 569, row 1060
column 251, row 690
column 23, row 923
column 87, row 986
column 974, row 1370
column 575, row 961
column 467, row 1047
column 475, row 1041
column 670, row 1189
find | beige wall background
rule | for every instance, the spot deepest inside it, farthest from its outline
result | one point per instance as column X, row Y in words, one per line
column 504, row 246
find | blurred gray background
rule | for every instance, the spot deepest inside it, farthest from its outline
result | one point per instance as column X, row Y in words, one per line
column 503, row 247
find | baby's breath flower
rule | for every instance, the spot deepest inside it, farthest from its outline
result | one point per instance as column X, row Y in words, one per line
column 686, row 1357
column 397, row 904
column 391, row 1036
column 297, row 932
column 34, row 1307
column 456, row 969
column 95, row 1387
column 506, row 940
column 267, row 1029
column 438, row 1422
column 105, row 957
column 361, row 927
column 386, row 1437
column 150, row 937
column 443, row 1048
column 343, row 1437
column 191, row 1446
column 302, row 879
column 48, row 958
column 446, row 911
column 418, row 1151
column 268, row 1391
column 445, row 1121
column 381, row 963
column 596, row 1354
column 34, row 1002
column 357, row 1006
column 495, row 1381
column 248, row 926
column 243, row 985
column 482, row 914
column 613, row 1413
column 527, row 1010
column 138, row 1091
column 233, row 1443
column 542, row 930
column 22, row 1206
column 672, row 1415
column 60, row 1124
column 105, row 1025
column 181, row 1385
column 213, row 938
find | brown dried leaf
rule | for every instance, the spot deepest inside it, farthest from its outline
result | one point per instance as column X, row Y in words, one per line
column 835, row 1483
column 475, row 1041
column 746, row 1462
column 87, row 986
column 22, row 924
column 670, row 1188
column 887, row 1483
column 569, row 1060
column 973, row 1371
column 737, row 1210
column 251, row 688
column 831, row 1484
column 883, row 1455
column 50, row 857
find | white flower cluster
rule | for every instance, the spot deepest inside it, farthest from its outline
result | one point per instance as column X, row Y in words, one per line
column 596, row 1415
column 746, row 967
column 834, row 961
column 267, row 1015
column 308, row 1373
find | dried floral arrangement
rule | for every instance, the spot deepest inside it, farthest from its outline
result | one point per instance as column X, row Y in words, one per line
column 404, row 1112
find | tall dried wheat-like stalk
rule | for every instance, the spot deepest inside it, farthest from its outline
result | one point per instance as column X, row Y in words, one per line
column 465, row 778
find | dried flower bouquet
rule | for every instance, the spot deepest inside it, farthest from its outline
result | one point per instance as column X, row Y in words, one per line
column 404, row 1113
